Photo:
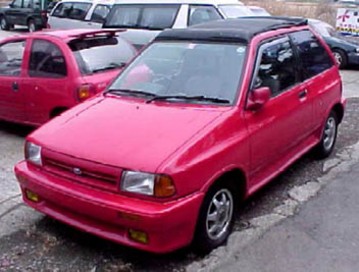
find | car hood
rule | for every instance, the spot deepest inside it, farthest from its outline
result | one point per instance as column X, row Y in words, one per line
column 346, row 42
column 124, row 133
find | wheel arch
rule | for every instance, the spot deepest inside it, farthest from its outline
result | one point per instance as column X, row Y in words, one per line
column 235, row 178
column 57, row 111
column 339, row 111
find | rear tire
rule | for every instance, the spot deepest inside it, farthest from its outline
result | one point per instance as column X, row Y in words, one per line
column 329, row 136
column 4, row 24
column 216, row 218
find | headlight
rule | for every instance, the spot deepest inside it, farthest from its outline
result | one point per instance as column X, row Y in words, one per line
column 357, row 50
column 147, row 184
column 33, row 153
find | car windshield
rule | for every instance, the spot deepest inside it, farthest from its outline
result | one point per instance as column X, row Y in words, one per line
column 203, row 73
column 146, row 16
column 235, row 11
column 101, row 53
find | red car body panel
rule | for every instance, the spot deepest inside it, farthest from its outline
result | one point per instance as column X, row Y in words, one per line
column 193, row 144
column 39, row 97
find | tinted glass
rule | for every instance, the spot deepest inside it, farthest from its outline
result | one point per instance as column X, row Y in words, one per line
column 314, row 57
column 101, row 54
column 17, row 4
column 76, row 11
column 277, row 67
column 142, row 16
column 46, row 60
column 201, row 14
column 186, row 69
column 11, row 55
column 100, row 13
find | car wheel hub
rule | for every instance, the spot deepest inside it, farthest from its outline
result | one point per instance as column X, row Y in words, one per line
column 338, row 58
column 219, row 214
column 329, row 133
column 3, row 23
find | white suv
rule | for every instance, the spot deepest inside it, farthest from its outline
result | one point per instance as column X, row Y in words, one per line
column 162, row 14
column 70, row 14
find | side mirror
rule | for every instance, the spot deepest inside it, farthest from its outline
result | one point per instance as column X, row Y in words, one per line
column 257, row 98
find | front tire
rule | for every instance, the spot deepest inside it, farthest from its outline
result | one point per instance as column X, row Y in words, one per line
column 340, row 58
column 4, row 24
column 32, row 26
column 216, row 218
column 329, row 136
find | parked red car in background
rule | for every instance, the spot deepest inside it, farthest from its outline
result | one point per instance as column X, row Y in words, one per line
column 198, row 121
column 45, row 73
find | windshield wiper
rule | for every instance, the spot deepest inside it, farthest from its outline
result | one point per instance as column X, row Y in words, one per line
column 184, row 97
column 111, row 66
column 129, row 92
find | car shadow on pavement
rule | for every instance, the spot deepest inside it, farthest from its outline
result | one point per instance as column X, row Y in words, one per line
column 16, row 129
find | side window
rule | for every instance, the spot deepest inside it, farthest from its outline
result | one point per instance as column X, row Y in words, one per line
column 78, row 11
column 27, row 4
column 314, row 57
column 46, row 60
column 100, row 13
column 276, row 67
column 200, row 14
column 11, row 56
column 62, row 10
column 16, row 4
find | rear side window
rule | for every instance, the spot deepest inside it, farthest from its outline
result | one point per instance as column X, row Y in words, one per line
column 76, row 11
column 143, row 16
column 200, row 14
column 46, row 60
column 100, row 13
column 314, row 57
column 11, row 57
column 101, row 54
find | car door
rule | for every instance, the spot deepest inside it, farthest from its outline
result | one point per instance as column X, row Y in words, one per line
column 277, row 131
column 14, row 12
column 12, row 61
column 47, row 81
column 322, row 82
column 69, row 15
column 97, row 16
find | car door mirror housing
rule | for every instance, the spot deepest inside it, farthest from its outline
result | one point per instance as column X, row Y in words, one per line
column 257, row 98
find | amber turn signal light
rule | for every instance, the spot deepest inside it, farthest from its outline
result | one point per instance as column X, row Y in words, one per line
column 138, row 236
column 32, row 196
column 164, row 186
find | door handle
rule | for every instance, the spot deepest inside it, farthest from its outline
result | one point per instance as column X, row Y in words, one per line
column 15, row 86
column 303, row 94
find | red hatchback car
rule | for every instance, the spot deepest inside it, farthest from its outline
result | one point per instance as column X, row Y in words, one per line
column 44, row 73
column 199, row 121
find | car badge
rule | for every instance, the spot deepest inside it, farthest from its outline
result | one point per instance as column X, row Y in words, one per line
column 77, row 171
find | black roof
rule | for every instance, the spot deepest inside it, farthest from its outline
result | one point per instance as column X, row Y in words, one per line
column 240, row 30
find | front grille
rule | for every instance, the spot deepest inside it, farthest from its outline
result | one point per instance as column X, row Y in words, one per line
column 82, row 171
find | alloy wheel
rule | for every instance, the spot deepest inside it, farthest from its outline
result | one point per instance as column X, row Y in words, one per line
column 338, row 58
column 329, row 133
column 219, row 214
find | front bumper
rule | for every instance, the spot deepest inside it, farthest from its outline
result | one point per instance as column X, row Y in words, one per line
column 169, row 226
